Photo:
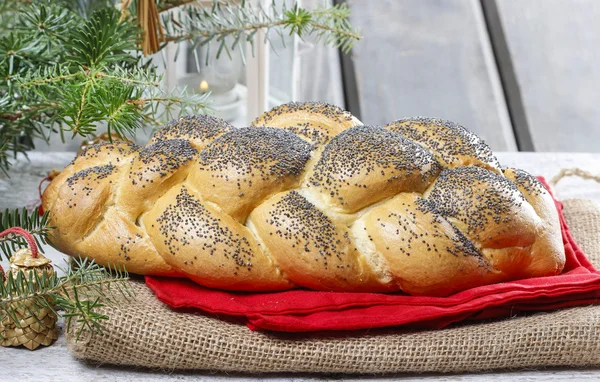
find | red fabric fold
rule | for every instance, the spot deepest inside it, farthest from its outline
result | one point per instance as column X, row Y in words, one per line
column 308, row 311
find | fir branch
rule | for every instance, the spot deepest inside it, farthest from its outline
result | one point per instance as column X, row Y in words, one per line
column 77, row 121
column 76, row 295
column 159, row 106
column 170, row 4
column 43, row 81
column 62, row 60
column 59, row 73
column 226, row 22
column 31, row 221
column 94, row 83
column 103, row 40
column 50, row 25
column 128, row 80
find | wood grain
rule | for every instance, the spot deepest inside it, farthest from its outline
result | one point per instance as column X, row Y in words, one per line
column 430, row 58
column 554, row 48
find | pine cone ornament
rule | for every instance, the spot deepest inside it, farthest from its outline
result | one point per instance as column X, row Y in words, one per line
column 35, row 326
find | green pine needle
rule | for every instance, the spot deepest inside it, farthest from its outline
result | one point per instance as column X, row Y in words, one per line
column 102, row 41
column 68, row 66
column 77, row 295
column 230, row 25
column 297, row 20
column 71, row 66
column 31, row 221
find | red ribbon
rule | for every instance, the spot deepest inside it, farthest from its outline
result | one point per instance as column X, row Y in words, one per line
column 26, row 235
column 41, row 207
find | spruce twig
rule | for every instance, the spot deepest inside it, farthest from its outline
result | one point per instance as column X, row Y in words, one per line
column 31, row 221
column 69, row 66
column 230, row 24
column 76, row 295
column 61, row 61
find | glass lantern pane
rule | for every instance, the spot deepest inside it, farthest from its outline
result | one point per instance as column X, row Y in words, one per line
column 204, row 72
column 283, row 68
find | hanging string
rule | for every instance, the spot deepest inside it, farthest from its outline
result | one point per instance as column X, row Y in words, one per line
column 51, row 175
column 565, row 172
column 26, row 235
column 149, row 20
column 124, row 9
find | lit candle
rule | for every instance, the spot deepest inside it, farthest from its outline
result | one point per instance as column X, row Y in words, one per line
column 203, row 86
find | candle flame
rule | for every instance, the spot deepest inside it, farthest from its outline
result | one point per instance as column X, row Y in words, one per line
column 204, row 86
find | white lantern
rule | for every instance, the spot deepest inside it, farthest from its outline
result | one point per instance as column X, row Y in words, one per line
column 238, row 92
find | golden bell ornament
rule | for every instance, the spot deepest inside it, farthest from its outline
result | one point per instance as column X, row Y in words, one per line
column 35, row 326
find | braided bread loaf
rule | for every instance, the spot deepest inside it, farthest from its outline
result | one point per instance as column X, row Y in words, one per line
column 308, row 197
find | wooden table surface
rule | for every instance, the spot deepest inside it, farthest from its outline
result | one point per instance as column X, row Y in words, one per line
column 56, row 363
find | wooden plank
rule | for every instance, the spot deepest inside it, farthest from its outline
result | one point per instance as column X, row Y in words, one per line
column 554, row 46
column 429, row 58
column 508, row 78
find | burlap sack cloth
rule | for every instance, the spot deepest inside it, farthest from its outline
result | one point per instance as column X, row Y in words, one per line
column 147, row 333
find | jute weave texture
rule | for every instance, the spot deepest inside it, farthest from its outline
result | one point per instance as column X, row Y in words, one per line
column 144, row 332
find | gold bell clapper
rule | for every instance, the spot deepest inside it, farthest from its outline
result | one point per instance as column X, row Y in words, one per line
column 30, row 325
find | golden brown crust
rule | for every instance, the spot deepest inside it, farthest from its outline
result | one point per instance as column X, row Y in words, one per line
column 363, row 165
column 310, row 248
column 105, row 153
column 315, row 122
column 419, row 206
column 451, row 143
column 488, row 208
column 199, row 130
column 151, row 172
column 122, row 243
column 208, row 245
column 240, row 169
column 115, row 154
column 80, row 203
column 547, row 255
column 415, row 241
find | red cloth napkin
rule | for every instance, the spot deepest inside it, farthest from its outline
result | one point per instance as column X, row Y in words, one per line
column 307, row 311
